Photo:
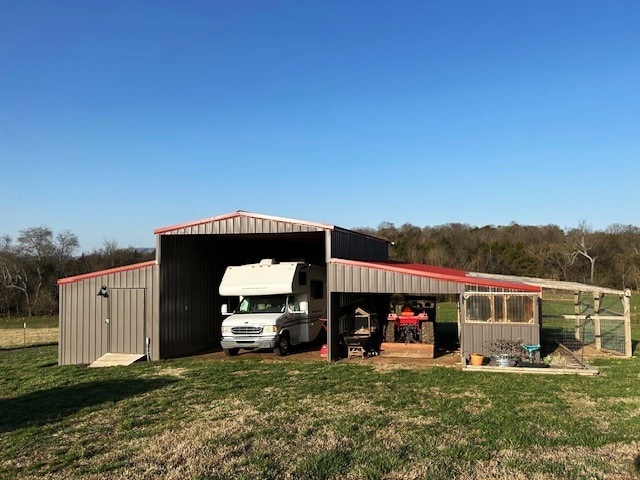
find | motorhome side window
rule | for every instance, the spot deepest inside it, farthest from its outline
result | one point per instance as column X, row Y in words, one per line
column 317, row 289
column 302, row 278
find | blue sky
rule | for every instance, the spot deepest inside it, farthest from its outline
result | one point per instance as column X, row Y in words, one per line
column 120, row 117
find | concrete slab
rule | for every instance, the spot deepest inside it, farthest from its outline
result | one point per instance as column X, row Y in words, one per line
column 538, row 371
column 115, row 359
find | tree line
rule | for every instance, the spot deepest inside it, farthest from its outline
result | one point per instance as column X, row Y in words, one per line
column 31, row 264
column 609, row 257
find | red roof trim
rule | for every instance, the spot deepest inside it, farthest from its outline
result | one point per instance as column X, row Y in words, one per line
column 77, row 278
column 240, row 213
column 439, row 273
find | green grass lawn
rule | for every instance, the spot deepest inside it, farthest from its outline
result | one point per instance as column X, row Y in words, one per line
column 251, row 418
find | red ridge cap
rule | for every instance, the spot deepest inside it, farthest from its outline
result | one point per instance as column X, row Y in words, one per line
column 240, row 213
column 84, row 276
column 440, row 273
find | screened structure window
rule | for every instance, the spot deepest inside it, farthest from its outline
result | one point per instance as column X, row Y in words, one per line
column 478, row 309
column 500, row 308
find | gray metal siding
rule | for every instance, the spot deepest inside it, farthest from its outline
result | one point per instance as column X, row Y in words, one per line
column 475, row 336
column 349, row 278
column 84, row 335
column 243, row 225
column 354, row 246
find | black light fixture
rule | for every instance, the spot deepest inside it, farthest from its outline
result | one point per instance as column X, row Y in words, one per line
column 103, row 292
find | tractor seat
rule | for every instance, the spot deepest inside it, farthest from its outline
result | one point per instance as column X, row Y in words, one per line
column 407, row 311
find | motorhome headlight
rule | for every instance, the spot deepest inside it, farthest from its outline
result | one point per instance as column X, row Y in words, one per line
column 226, row 330
column 270, row 329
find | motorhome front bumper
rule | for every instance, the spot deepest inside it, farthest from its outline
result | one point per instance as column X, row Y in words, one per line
column 249, row 342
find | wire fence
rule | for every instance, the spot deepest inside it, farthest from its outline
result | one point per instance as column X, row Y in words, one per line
column 574, row 323
column 27, row 337
column 578, row 333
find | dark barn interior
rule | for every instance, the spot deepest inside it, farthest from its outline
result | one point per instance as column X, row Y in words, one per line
column 192, row 269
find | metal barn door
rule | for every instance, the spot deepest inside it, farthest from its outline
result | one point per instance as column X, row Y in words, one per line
column 127, row 320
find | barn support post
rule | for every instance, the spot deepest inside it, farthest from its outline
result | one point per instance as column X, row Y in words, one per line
column 576, row 310
column 539, row 310
column 332, row 344
column 596, row 320
column 462, row 317
column 627, row 323
column 459, row 315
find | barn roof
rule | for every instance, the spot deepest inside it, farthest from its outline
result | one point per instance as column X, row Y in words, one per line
column 352, row 275
column 109, row 271
column 546, row 283
column 254, row 221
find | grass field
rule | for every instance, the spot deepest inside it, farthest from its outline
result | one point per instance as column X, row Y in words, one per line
column 252, row 418
column 32, row 322
column 38, row 331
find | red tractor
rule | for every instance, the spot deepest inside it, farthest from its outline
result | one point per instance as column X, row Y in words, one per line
column 412, row 320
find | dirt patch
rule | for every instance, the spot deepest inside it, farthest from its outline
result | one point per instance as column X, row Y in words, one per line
column 170, row 371
column 382, row 362
column 310, row 354
column 587, row 353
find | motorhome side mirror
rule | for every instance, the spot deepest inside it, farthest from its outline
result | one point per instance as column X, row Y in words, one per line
column 224, row 309
column 304, row 307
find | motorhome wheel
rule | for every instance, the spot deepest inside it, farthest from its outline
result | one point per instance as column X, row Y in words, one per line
column 282, row 348
column 230, row 352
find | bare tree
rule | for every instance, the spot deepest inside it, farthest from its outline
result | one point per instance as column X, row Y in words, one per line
column 34, row 262
column 13, row 274
column 580, row 243
column 66, row 245
column 626, row 254
column 555, row 261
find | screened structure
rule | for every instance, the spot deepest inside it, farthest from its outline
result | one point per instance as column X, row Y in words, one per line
column 578, row 315
column 490, row 316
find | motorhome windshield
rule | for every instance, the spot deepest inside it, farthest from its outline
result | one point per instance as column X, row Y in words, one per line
column 266, row 304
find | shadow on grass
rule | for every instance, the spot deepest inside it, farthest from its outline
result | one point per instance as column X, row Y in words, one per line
column 31, row 345
column 54, row 404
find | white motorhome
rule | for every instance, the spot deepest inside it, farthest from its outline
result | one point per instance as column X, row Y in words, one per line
column 281, row 304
